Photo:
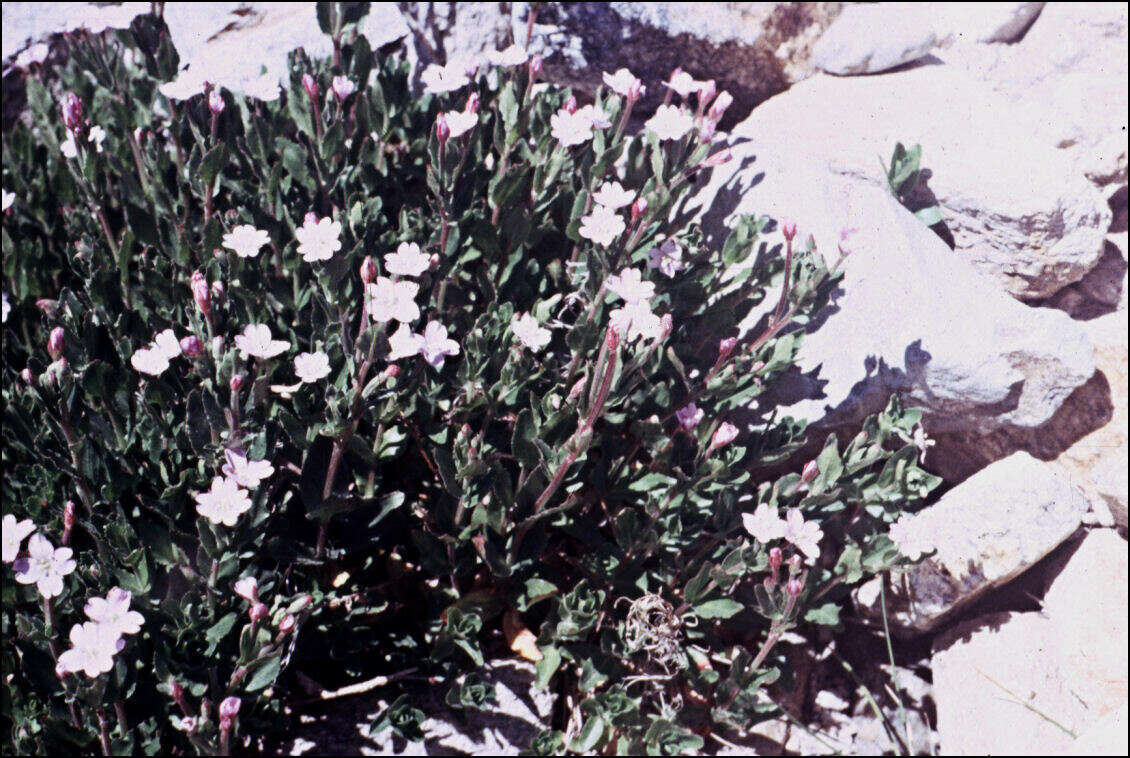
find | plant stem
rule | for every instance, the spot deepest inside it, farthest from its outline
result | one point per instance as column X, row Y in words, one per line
column 104, row 732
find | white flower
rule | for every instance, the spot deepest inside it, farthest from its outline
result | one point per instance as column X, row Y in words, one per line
column 224, row 503
column 622, row 82
column 629, row 285
column 407, row 260
column 256, row 340
column 149, row 360
column 9, row 198
column 113, row 613
column 613, row 195
column 7, row 308
column 597, row 118
column 682, row 83
column 167, row 344
column 668, row 258
column 636, row 320
column 187, row 84
column 343, row 87
column 602, row 226
column 804, row 534
column 529, row 332
column 246, row 241
column 437, row 345
column 438, row 79
column 460, row 122
column 69, row 149
column 404, row 343
column 669, row 122
column 97, row 136
column 922, row 442
column 14, row 533
column 392, row 300
column 247, row 588
column 908, row 538
column 264, row 87
column 45, row 566
column 570, row 128
column 310, row 367
column 92, row 651
column 515, row 55
column 318, row 240
column 246, row 473
column 764, row 524
column 689, row 416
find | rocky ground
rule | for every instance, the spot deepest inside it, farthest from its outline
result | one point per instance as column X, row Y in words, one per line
column 1007, row 323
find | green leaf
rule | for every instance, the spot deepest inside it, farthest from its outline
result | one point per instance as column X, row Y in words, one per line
column 722, row 608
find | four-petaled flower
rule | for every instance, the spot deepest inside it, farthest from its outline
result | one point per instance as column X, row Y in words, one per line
column 310, row 367
column 683, row 83
column 908, row 538
column 439, row 79
column 45, row 566
column 623, row 82
column 343, row 87
column 9, row 198
column 404, row 343
column 689, row 416
column 92, row 649
column 318, row 240
column 167, row 344
column 245, row 472
column 437, row 345
column 515, row 55
column 669, row 122
column 407, row 260
column 14, row 533
column 602, row 226
column 112, row 612
column 764, row 524
column 460, row 122
column 667, row 257
column 636, row 320
column 224, row 503
column 629, row 285
column 529, row 332
column 246, row 241
column 613, row 195
column 392, row 300
column 805, row 535
column 257, row 341
column 597, row 118
column 570, row 128
column 149, row 360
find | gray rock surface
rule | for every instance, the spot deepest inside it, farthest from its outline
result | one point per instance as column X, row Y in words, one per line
column 870, row 38
column 1018, row 209
column 984, row 532
column 984, row 22
column 911, row 319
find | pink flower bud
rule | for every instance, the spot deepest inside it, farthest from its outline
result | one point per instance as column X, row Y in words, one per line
column 575, row 392
column 433, row 261
column 248, row 589
column 188, row 724
column 795, row 563
column 229, row 709
column 303, row 602
column 191, row 346
column 368, row 270
column 287, row 623
column 257, row 612
column 706, row 92
column 811, row 469
column 27, row 376
column 570, row 105
column 793, row 587
column 635, row 91
column 56, row 341
column 69, row 515
column 236, row 383
column 215, row 102
column 706, row 132
column 775, row 558
column 472, row 105
column 721, row 103
column 726, row 346
column 310, row 86
column 639, row 207
column 72, row 111
column 612, row 339
column 720, row 157
column 723, row 435
column 788, row 229
column 391, row 372
column 536, row 64
column 202, row 295
column 443, row 131
column 219, row 294
column 342, row 87
column 310, row 218
column 666, row 326
column 54, row 374
column 49, row 307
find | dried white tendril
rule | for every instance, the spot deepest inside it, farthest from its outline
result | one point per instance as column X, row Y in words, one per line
column 653, row 627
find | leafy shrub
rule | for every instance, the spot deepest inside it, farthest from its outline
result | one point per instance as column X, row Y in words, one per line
column 346, row 380
column 904, row 180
